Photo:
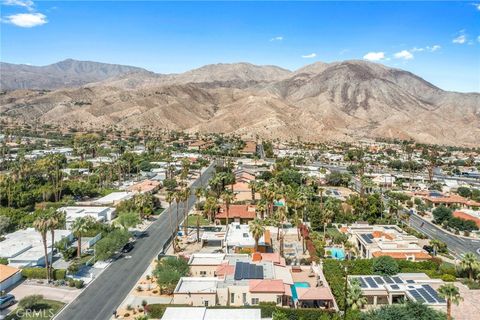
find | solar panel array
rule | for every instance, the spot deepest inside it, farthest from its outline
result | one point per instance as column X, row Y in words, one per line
column 245, row 270
column 426, row 294
column 367, row 237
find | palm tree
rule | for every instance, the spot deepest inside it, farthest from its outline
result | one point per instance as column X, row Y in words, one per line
column 257, row 230
column 55, row 220
column 355, row 298
column 169, row 198
column 436, row 245
column 327, row 215
column 41, row 224
column 210, row 207
column 185, row 193
column 470, row 264
column 79, row 227
column 450, row 293
column 228, row 197
column 178, row 198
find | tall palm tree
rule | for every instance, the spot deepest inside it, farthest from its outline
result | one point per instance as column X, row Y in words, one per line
column 56, row 220
column 169, row 198
column 355, row 298
column 470, row 264
column 228, row 197
column 185, row 197
column 178, row 198
column 450, row 293
column 257, row 229
column 41, row 224
column 327, row 216
column 79, row 227
column 211, row 206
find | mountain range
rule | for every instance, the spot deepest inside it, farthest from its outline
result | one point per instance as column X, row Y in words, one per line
column 340, row 101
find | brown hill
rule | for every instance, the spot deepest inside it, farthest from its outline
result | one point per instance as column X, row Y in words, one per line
column 341, row 101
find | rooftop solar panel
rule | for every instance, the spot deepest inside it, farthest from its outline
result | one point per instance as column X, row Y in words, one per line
column 416, row 295
column 426, row 295
column 388, row 279
column 362, row 283
column 379, row 280
column 410, row 281
column 371, row 283
column 366, row 238
column 244, row 270
column 433, row 293
column 394, row 286
column 397, row 280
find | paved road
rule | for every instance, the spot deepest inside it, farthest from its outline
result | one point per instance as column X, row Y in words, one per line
column 107, row 292
column 457, row 245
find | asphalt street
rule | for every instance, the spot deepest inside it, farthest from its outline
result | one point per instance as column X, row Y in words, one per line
column 106, row 293
column 458, row 246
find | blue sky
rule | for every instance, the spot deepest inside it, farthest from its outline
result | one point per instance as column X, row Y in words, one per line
column 439, row 41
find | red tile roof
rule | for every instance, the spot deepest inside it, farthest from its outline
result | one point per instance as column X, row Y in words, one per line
column 275, row 286
column 237, row 211
column 224, row 270
column 465, row 216
column 314, row 293
column 403, row 255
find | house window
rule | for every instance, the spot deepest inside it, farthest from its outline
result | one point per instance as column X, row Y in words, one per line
column 255, row 301
column 244, row 298
column 279, row 299
column 203, row 273
column 205, row 303
column 232, row 297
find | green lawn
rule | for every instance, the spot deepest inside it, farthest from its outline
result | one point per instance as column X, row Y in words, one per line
column 49, row 309
column 192, row 221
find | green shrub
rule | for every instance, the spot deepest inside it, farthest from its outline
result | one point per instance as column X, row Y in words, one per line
column 41, row 273
column 448, row 278
column 385, row 266
column 79, row 284
column 31, row 302
column 4, row 261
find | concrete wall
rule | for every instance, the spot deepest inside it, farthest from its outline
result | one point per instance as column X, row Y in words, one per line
column 210, row 270
column 195, row 299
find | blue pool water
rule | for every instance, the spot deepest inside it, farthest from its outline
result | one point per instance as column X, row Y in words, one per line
column 298, row 285
column 337, row 253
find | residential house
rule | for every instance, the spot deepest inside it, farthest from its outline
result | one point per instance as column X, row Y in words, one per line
column 384, row 290
column 240, row 213
column 385, row 240
column 100, row 214
column 238, row 238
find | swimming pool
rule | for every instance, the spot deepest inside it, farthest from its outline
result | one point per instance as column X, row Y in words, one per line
column 298, row 285
column 336, row 253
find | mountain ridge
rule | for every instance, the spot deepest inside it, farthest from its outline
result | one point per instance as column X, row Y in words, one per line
column 342, row 100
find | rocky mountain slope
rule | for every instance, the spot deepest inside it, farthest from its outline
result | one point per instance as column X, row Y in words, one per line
column 67, row 73
column 341, row 101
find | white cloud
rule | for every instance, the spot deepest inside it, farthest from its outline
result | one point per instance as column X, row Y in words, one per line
column 461, row 39
column 27, row 20
column 374, row 56
column 478, row 38
column 417, row 49
column 20, row 3
column 433, row 48
column 404, row 54
column 309, row 56
column 279, row 38
column 477, row 5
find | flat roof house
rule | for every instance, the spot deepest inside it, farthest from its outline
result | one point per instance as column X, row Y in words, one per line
column 418, row 287
column 196, row 291
column 385, row 240
column 24, row 248
column 101, row 214
column 238, row 237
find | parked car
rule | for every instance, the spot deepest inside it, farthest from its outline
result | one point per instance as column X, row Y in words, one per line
column 127, row 248
column 427, row 248
column 6, row 301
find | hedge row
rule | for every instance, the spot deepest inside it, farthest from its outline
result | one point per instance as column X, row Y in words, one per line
column 267, row 310
column 41, row 273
